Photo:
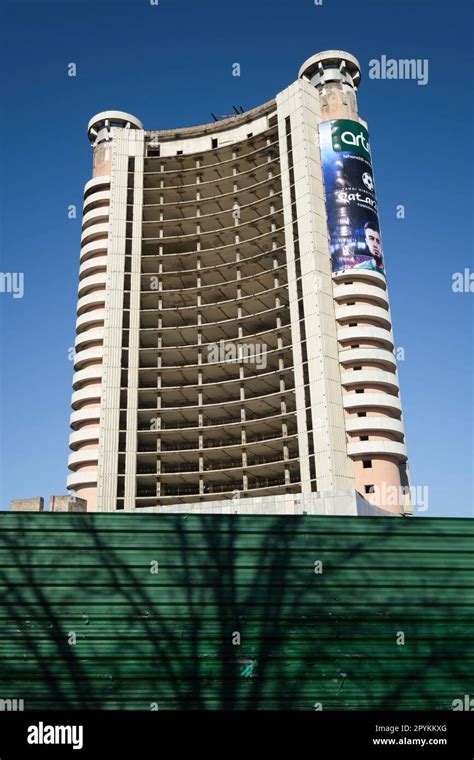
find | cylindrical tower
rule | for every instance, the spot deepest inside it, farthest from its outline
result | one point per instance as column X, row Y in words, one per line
column 376, row 436
column 91, row 308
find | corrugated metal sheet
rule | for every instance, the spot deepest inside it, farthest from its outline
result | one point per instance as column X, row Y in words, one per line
column 165, row 639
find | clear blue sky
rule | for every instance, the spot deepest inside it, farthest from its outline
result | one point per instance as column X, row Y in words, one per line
column 171, row 65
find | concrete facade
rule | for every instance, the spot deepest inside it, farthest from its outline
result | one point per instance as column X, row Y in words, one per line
column 36, row 504
column 348, row 503
column 67, row 504
column 217, row 356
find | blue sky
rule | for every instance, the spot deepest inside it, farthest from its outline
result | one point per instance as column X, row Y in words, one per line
column 171, row 65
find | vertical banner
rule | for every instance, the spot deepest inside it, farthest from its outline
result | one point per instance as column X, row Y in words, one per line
column 353, row 223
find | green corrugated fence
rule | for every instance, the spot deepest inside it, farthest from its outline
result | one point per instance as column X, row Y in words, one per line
column 140, row 612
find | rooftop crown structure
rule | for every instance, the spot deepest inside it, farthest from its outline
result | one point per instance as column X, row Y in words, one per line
column 234, row 335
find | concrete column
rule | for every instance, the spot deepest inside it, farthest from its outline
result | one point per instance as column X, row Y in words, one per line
column 112, row 350
column 136, row 149
column 334, row 471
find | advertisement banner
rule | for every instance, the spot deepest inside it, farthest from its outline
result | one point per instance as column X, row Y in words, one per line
column 353, row 224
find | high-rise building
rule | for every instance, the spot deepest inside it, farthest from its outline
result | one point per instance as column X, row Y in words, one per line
column 234, row 335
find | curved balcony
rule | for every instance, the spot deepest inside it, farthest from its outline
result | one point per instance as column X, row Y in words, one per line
column 210, row 203
column 92, row 335
column 90, row 282
column 87, row 355
column 212, row 472
column 94, row 317
column 97, row 184
column 364, row 401
column 82, row 436
column 84, row 456
column 87, row 375
column 264, row 444
column 378, row 449
column 363, row 311
column 257, row 295
column 253, row 405
column 358, row 275
column 214, row 493
column 267, row 338
column 375, row 425
column 179, row 237
column 226, row 182
column 188, row 444
column 96, row 298
column 370, row 377
column 262, row 297
column 186, row 373
column 209, row 405
column 252, row 264
column 363, row 333
column 176, row 287
column 187, row 439
column 205, row 254
column 186, row 195
column 98, row 199
column 99, row 230
column 94, row 248
column 95, row 216
column 373, row 355
column 227, row 318
column 252, row 382
column 361, row 290
column 155, row 213
column 213, row 259
column 256, row 381
column 92, row 265
column 86, row 414
column 82, row 479
column 224, row 423
column 90, row 394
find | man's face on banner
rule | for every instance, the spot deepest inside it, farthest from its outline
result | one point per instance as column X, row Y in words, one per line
column 372, row 239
